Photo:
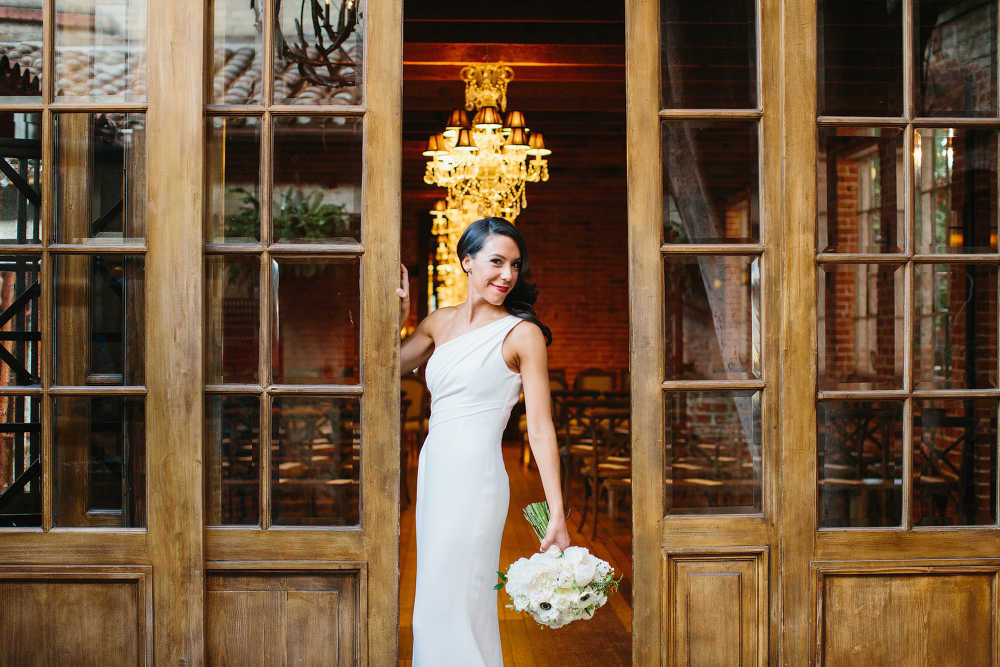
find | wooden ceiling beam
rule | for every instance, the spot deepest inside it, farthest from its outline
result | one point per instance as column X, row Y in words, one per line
column 515, row 55
column 523, row 72
column 463, row 30
column 514, row 10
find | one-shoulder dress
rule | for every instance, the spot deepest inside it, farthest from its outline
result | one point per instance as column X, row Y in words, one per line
column 462, row 499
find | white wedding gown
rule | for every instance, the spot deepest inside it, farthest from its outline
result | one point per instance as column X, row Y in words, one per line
column 462, row 500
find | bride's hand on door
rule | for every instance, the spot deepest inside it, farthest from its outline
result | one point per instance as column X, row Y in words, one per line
column 404, row 295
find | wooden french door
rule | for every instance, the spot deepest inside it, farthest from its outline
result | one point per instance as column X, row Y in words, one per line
column 813, row 271
column 704, row 234
column 199, row 405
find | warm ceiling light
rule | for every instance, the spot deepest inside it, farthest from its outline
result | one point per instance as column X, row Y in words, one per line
column 536, row 145
column 488, row 118
column 432, row 146
column 464, row 142
column 456, row 121
column 514, row 119
column 517, row 139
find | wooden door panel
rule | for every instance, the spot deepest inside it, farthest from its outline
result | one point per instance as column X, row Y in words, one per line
column 74, row 616
column 907, row 616
column 284, row 618
column 715, row 607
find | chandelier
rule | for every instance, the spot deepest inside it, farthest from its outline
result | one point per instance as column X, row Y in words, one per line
column 484, row 164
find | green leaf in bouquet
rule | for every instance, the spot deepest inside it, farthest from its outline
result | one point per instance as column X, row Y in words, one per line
column 503, row 580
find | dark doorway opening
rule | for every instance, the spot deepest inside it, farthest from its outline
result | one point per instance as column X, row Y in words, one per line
column 569, row 81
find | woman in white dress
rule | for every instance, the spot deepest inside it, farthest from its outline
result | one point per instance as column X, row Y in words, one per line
column 480, row 356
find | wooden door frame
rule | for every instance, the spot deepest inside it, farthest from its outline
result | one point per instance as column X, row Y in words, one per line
column 797, row 435
column 382, row 212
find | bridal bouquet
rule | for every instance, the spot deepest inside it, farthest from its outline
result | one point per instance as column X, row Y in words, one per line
column 557, row 587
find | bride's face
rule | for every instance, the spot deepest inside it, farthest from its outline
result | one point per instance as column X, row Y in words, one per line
column 494, row 270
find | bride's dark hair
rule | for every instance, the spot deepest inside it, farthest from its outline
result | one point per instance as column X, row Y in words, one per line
column 521, row 300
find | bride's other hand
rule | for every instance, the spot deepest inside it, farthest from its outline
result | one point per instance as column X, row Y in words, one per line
column 556, row 534
column 404, row 295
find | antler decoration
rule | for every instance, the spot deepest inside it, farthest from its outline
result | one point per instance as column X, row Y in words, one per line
column 312, row 59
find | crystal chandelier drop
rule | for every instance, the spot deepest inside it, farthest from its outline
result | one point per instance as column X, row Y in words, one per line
column 484, row 164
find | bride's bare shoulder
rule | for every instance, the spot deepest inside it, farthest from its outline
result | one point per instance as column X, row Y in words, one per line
column 438, row 321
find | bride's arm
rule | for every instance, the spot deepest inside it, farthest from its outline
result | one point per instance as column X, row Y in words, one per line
column 529, row 346
column 417, row 347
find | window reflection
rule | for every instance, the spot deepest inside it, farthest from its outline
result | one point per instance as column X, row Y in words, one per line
column 316, row 464
column 232, row 434
column 317, row 321
column 20, row 461
column 860, row 463
column 99, row 456
column 316, row 196
column 954, row 462
column 955, row 182
column 232, row 319
column 860, row 193
column 101, row 49
column 318, row 52
column 860, row 58
column 712, row 316
column 233, row 166
column 100, row 320
column 100, row 177
column 710, row 182
column 860, row 326
column 709, row 56
column 20, row 177
column 20, row 52
column 955, row 328
column 956, row 57
column 713, row 457
column 238, row 61
column 20, row 311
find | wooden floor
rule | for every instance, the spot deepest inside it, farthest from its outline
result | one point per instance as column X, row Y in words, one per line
column 606, row 640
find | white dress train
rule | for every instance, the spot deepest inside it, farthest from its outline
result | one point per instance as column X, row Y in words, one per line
column 462, row 500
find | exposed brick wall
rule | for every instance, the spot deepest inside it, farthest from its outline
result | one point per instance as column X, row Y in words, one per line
column 960, row 55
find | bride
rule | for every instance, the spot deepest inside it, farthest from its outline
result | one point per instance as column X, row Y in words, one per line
column 480, row 356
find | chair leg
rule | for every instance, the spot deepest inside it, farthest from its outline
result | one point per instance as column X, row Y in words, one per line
column 583, row 514
column 566, row 463
column 597, row 499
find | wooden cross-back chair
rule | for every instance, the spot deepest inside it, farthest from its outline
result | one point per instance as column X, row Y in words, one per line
column 557, row 383
column 596, row 379
column 609, row 467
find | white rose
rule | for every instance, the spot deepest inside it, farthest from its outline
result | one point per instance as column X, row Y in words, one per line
column 603, row 568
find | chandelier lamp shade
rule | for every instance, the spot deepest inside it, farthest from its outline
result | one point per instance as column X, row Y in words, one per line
column 483, row 163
